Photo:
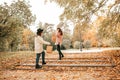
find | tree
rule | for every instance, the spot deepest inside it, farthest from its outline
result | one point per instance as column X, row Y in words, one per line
column 110, row 26
column 90, row 36
column 47, row 29
column 78, row 32
column 27, row 42
column 81, row 11
column 13, row 19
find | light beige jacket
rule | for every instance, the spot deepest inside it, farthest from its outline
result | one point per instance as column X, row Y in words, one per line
column 39, row 44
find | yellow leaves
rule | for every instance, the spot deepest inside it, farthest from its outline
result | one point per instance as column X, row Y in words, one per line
column 26, row 34
column 117, row 1
column 73, row 3
column 85, row 1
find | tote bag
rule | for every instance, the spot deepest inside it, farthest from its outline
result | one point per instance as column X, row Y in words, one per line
column 49, row 49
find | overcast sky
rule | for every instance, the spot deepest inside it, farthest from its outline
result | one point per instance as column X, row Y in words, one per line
column 48, row 12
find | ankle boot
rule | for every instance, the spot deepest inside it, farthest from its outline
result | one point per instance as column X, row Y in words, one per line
column 59, row 57
column 43, row 63
column 38, row 66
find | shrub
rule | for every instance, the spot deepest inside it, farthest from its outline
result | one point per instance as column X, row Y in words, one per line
column 87, row 44
column 66, row 43
column 76, row 45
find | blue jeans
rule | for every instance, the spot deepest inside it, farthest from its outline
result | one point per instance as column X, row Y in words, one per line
column 38, row 57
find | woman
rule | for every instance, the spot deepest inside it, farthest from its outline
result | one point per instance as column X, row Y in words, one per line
column 39, row 48
column 59, row 36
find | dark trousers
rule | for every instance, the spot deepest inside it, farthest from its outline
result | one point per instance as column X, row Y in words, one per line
column 59, row 51
column 38, row 57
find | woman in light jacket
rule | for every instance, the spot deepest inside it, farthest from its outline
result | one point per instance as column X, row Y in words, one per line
column 59, row 37
column 39, row 48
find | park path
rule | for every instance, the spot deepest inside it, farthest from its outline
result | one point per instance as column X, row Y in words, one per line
column 76, row 65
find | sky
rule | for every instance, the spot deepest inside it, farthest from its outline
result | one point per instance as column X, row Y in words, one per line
column 45, row 13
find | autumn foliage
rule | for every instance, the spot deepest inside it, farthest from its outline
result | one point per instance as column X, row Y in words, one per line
column 27, row 40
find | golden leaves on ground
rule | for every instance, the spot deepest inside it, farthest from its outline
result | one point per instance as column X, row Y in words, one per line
column 59, row 73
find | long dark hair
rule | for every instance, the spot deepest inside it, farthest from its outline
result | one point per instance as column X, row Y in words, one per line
column 59, row 30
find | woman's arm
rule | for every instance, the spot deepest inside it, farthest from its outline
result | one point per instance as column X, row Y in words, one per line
column 43, row 41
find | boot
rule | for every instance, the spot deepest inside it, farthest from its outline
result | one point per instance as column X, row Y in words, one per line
column 43, row 63
column 62, row 55
column 38, row 66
